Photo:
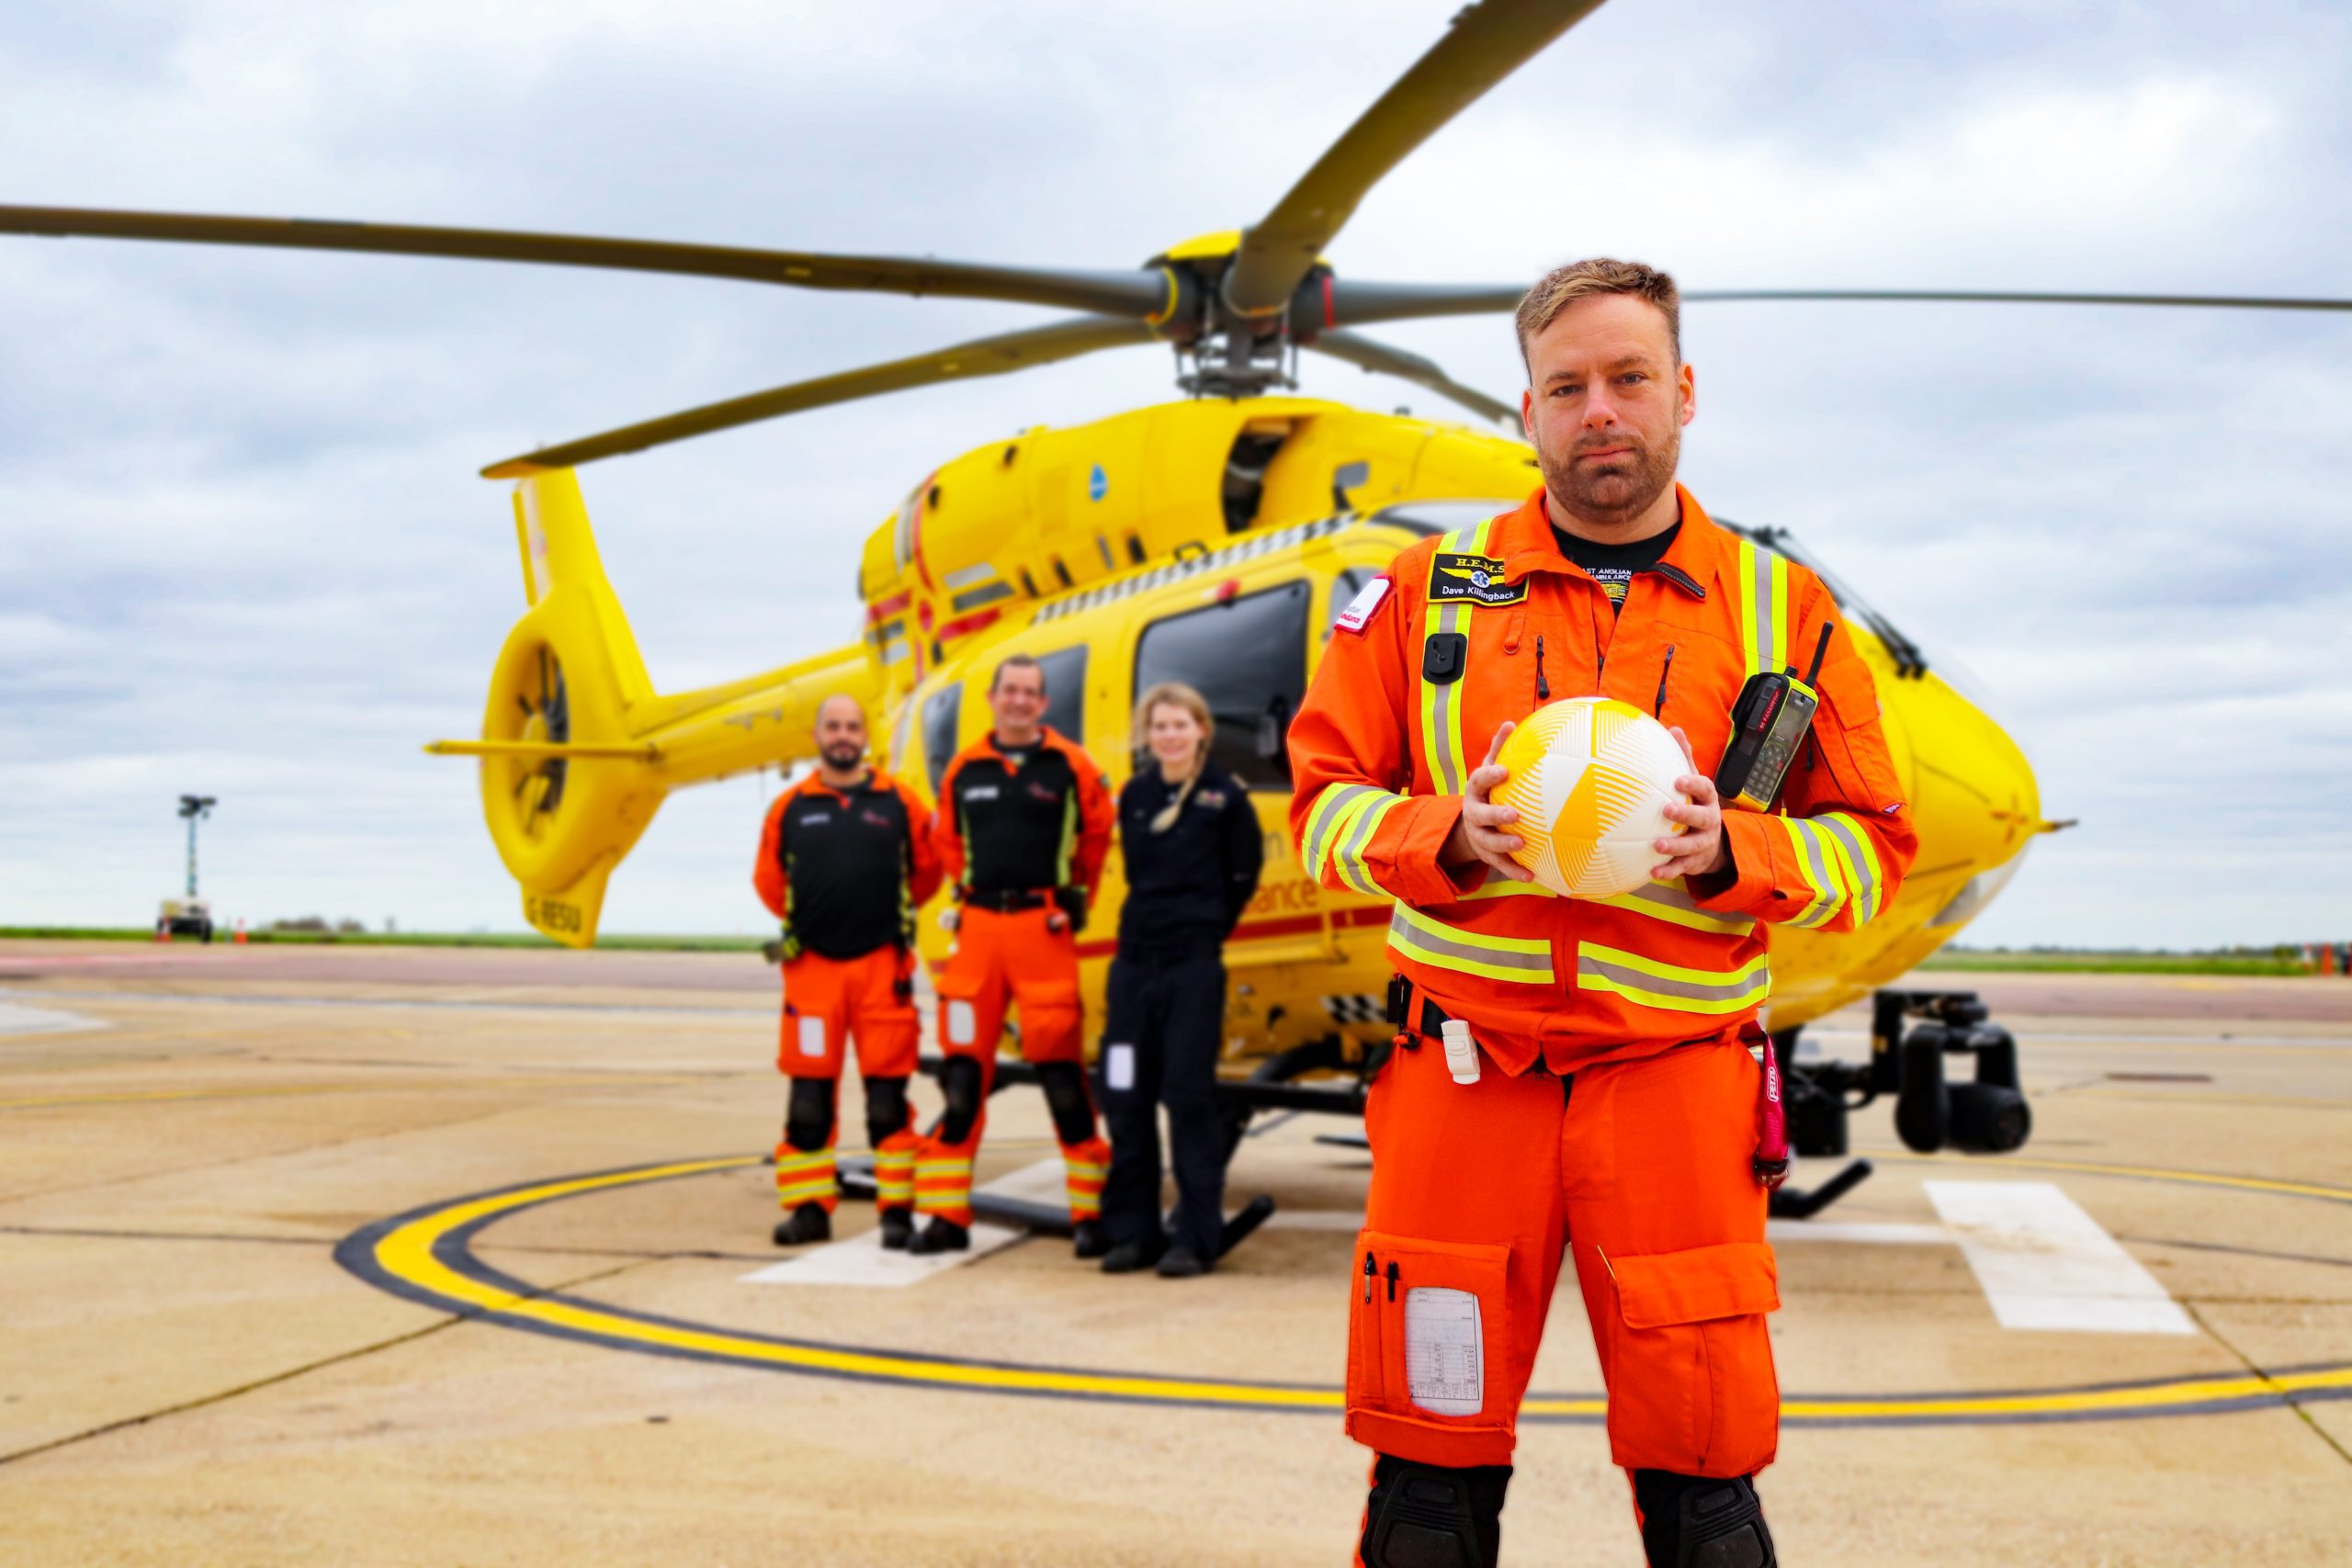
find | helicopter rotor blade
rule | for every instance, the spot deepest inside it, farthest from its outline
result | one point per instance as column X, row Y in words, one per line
column 2001, row 297
column 1138, row 293
column 960, row 362
column 1485, row 42
column 1406, row 365
column 1356, row 303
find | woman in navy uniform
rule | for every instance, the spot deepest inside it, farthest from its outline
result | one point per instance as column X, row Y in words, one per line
column 1193, row 850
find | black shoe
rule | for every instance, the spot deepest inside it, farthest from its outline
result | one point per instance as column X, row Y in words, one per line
column 807, row 1224
column 1132, row 1257
column 1182, row 1263
column 940, row 1236
column 897, row 1229
column 1087, row 1240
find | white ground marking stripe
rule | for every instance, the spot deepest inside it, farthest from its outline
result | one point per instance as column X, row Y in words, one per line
column 860, row 1260
column 37, row 1020
column 2046, row 1264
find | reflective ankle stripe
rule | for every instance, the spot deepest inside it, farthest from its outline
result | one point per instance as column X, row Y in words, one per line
column 1671, row 987
column 894, row 1176
column 1426, row 940
column 1670, row 902
column 1441, row 701
column 1763, row 608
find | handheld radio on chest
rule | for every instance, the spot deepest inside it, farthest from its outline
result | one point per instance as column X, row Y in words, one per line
column 1769, row 724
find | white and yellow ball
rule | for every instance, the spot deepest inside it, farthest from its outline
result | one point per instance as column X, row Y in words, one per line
column 1590, row 778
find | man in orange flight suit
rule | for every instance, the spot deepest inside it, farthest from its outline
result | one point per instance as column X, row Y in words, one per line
column 845, row 860
column 1618, row 1105
column 1024, row 823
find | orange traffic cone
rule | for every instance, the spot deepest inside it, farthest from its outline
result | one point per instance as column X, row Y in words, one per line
column 241, row 931
column 164, row 932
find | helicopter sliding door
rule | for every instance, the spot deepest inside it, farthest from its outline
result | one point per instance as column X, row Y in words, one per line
column 1247, row 656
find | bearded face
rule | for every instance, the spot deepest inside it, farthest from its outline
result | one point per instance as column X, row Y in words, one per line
column 1604, row 410
column 1608, row 477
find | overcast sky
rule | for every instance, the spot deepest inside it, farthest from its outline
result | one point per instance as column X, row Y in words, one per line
column 242, row 549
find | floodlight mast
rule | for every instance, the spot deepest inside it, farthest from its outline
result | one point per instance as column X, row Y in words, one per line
column 195, row 809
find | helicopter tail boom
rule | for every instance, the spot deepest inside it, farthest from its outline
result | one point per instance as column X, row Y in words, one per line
column 577, row 749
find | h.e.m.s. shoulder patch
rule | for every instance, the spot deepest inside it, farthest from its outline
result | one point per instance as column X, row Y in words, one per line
column 1360, row 609
column 1477, row 578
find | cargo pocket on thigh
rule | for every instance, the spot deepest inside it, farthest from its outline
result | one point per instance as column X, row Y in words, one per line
column 1429, row 1345
column 959, row 1013
column 1051, row 1019
column 1690, row 1385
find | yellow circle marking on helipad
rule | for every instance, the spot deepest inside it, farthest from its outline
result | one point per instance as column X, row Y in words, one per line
column 403, row 1255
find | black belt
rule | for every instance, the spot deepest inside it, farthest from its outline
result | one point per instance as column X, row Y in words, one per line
column 1006, row 901
column 1402, row 1013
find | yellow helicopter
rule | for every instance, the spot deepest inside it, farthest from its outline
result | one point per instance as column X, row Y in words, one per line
column 1211, row 540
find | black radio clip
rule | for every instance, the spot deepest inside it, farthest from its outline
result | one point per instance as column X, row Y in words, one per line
column 1769, row 724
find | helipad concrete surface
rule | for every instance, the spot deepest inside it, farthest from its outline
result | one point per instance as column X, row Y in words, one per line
column 397, row 1256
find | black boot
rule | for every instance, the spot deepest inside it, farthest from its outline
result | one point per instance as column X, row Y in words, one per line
column 1132, row 1257
column 1428, row 1516
column 807, row 1224
column 897, row 1229
column 1182, row 1263
column 940, row 1236
column 1087, row 1240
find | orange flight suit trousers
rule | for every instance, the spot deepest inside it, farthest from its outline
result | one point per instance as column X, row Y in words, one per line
column 1638, row 1169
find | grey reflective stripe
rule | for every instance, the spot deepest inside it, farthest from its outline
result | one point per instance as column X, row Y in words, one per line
column 1866, row 885
column 1760, row 591
column 1825, row 876
column 1404, row 934
column 1333, row 809
column 1730, row 990
column 1673, row 897
column 1349, row 854
column 1449, row 781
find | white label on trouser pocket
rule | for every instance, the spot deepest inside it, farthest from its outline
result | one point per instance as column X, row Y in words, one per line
column 961, row 1024
column 812, row 1036
column 1444, row 1373
column 1119, row 1066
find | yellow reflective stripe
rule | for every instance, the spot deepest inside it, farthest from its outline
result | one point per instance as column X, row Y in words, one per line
column 1441, row 708
column 821, row 1159
column 1816, row 862
column 1442, row 701
column 1522, row 960
column 801, row 1192
column 1349, row 856
column 1670, row 902
column 1315, row 839
column 1343, row 822
column 1673, row 988
column 1860, row 857
column 1497, row 885
column 1763, row 608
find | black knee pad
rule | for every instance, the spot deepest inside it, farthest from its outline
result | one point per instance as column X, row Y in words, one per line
column 960, row 1081
column 886, row 1109
column 1065, row 1097
column 1429, row 1516
column 809, row 1116
column 1697, row 1521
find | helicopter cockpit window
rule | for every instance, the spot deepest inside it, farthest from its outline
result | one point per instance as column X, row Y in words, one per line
column 1908, row 659
column 1065, row 673
column 1247, row 657
column 1444, row 516
column 939, row 716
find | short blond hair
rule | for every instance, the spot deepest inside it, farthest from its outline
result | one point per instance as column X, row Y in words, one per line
column 1563, row 286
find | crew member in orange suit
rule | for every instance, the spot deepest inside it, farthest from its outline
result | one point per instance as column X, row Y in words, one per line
column 1024, row 823
column 1581, row 1075
column 845, row 860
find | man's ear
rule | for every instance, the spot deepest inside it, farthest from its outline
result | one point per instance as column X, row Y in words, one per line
column 1689, row 380
column 1527, row 413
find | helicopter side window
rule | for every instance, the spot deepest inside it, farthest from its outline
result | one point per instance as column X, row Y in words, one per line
column 939, row 714
column 1065, row 673
column 1247, row 657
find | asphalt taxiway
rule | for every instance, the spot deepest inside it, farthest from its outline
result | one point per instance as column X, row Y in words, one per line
column 434, row 1255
